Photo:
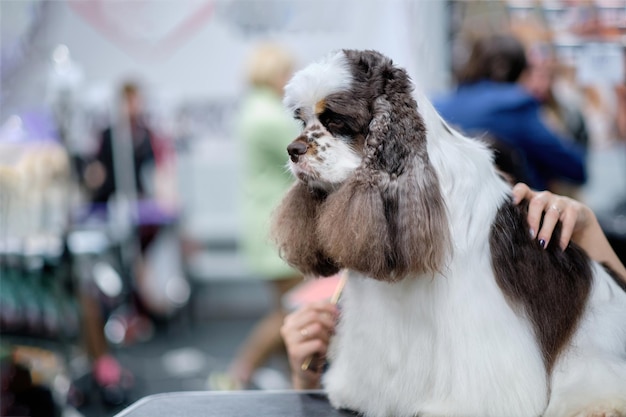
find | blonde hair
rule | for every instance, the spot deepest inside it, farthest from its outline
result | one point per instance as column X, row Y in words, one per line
column 269, row 66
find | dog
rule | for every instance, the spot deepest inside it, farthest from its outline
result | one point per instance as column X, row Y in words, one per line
column 451, row 308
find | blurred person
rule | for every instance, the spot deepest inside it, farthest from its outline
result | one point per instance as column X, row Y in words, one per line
column 308, row 330
column 551, row 83
column 144, row 168
column 100, row 174
column 264, row 129
column 489, row 100
column 133, row 164
column 151, row 155
column 561, row 101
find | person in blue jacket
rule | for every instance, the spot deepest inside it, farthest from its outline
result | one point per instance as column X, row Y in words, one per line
column 489, row 101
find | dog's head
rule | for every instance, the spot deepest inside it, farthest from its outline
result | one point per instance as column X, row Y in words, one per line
column 367, row 198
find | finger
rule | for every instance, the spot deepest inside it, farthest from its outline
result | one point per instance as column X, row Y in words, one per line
column 568, row 221
column 305, row 334
column 536, row 206
column 320, row 304
column 550, row 219
column 326, row 315
column 316, row 330
column 307, row 311
column 299, row 350
column 328, row 320
column 291, row 329
column 326, row 307
column 306, row 351
column 300, row 318
column 310, row 347
column 521, row 191
column 312, row 327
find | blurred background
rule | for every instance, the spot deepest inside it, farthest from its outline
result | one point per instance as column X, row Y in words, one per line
column 114, row 288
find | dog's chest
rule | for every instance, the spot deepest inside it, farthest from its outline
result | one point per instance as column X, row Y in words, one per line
column 407, row 347
column 398, row 320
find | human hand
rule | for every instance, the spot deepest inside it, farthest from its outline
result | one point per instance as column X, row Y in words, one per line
column 575, row 217
column 307, row 333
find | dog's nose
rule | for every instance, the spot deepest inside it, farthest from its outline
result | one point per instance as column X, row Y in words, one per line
column 295, row 149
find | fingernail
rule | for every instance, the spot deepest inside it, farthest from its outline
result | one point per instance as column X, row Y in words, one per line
column 542, row 243
column 532, row 232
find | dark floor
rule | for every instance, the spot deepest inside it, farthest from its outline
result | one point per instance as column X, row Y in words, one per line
column 184, row 351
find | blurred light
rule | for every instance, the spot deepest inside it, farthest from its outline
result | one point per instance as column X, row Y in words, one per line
column 87, row 242
column 115, row 331
column 107, row 279
column 184, row 362
column 61, row 384
column 14, row 122
column 12, row 130
column 61, row 54
column 177, row 291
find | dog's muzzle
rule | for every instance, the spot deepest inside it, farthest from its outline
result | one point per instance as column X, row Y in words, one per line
column 295, row 149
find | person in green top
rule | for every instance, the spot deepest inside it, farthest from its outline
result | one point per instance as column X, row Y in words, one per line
column 263, row 130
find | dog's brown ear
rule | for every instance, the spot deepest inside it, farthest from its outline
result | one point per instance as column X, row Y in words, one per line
column 294, row 231
column 389, row 220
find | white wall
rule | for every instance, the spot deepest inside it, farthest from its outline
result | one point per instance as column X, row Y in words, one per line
column 194, row 49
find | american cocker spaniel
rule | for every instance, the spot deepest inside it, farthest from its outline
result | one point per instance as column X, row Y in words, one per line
column 452, row 308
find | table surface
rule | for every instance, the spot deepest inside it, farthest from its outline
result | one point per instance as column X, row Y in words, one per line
column 234, row 403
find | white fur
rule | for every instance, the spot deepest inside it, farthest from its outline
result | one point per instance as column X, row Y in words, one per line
column 452, row 345
column 333, row 169
column 317, row 81
column 303, row 92
column 591, row 376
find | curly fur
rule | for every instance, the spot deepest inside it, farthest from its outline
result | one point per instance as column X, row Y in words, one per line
column 486, row 325
column 297, row 217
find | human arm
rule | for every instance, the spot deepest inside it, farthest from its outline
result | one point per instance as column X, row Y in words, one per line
column 579, row 224
column 307, row 332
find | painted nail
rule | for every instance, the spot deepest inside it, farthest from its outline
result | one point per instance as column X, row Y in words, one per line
column 532, row 232
column 542, row 243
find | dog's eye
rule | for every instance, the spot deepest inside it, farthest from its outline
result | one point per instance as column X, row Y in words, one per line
column 335, row 123
column 336, row 126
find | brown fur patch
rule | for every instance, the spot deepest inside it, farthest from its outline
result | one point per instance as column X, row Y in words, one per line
column 320, row 106
column 294, row 229
column 551, row 286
